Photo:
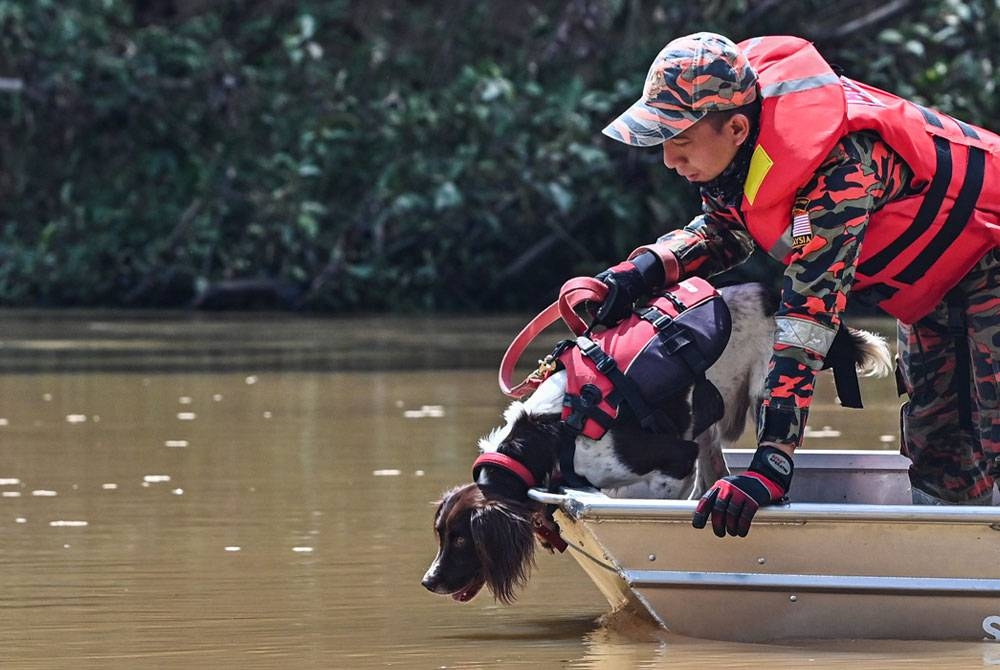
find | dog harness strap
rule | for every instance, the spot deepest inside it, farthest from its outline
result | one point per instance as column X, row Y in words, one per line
column 507, row 463
column 712, row 407
column 593, row 351
column 674, row 340
column 583, row 407
column 551, row 537
column 655, row 317
column 675, row 301
column 840, row 358
column 567, row 474
column 629, row 390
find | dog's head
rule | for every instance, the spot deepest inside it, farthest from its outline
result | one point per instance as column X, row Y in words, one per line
column 482, row 540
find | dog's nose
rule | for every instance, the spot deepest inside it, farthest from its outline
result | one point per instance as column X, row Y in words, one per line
column 430, row 579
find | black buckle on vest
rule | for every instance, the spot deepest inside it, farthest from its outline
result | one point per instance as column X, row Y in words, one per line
column 676, row 342
column 591, row 350
column 675, row 301
column 663, row 321
column 583, row 407
column 657, row 318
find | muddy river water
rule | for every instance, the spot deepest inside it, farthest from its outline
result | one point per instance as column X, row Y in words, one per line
column 255, row 492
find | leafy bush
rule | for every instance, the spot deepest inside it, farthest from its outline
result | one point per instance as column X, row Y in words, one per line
column 378, row 155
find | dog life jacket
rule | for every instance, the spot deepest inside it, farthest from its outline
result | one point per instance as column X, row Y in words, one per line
column 654, row 354
column 916, row 248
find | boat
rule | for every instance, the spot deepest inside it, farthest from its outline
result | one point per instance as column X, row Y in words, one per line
column 848, row 558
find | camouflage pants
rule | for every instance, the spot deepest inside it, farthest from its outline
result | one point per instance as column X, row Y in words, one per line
column 951, row 461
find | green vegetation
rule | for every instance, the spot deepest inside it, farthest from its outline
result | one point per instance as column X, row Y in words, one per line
column 374, row 154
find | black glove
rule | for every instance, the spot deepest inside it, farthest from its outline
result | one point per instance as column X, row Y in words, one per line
column 732, row 501
column 627, row 282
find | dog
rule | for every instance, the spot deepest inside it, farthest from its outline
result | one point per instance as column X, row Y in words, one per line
column 486, row 529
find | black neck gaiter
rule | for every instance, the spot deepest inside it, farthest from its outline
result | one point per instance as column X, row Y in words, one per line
column 728, row 186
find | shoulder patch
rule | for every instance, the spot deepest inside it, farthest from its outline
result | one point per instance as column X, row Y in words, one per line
column 801, row 227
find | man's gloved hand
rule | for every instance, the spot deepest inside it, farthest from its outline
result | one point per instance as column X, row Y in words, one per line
column 733, row 501
column 627, row 282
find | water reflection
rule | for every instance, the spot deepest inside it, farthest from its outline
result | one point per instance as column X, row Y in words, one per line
column 256, row 493
column 610, row 650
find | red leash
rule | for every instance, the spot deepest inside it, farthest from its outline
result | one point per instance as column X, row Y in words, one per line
column 572, row 293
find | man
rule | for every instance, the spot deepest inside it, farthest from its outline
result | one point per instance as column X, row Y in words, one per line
column 859, row 193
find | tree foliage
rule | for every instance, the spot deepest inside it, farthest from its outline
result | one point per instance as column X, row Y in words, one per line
column 379, row 154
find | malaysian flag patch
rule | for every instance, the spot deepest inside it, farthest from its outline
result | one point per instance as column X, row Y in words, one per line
column 801, row 228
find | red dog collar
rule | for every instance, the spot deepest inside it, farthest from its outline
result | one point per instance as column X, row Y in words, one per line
column 505, row 462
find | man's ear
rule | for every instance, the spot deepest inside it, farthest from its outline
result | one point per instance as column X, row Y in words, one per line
column 739, row 127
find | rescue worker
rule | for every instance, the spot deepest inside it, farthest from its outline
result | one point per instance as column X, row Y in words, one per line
column 861, row 195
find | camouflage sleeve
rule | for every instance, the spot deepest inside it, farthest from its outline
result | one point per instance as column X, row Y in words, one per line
column 828, row 222
column 713, row 242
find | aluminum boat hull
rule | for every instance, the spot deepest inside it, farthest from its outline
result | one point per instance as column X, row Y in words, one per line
column 852, row 560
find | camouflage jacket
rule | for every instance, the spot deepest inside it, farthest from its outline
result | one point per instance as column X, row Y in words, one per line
column 860, row 175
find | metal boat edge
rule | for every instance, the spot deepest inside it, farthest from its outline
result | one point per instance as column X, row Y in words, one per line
column 807, row 570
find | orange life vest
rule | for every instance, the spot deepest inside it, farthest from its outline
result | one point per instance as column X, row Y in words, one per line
column 915, row 249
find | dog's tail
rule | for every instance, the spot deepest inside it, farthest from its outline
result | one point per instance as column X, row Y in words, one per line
column 871, row 353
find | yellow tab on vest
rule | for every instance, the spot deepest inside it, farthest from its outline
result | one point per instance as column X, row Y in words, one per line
column 760, row 164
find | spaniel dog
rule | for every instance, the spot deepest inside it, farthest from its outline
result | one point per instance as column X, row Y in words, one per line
column 486, row 529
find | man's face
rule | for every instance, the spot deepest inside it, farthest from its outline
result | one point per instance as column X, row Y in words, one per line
column 702, row 152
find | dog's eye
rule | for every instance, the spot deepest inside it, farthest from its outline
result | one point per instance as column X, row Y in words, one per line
column 459, row 541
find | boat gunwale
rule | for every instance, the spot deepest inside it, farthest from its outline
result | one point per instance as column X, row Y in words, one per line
column 592, row 505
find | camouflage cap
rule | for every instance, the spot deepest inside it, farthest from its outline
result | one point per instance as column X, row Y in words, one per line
column 691, row 76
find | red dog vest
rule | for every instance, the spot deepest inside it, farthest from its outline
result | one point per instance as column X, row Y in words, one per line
column 653, row 355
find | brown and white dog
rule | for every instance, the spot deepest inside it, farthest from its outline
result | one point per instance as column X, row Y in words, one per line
column 485, row 529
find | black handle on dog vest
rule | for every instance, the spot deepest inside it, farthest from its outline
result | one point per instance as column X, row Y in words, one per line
column 840, row 358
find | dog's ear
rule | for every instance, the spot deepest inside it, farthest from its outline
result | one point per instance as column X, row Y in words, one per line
column 505, row 543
